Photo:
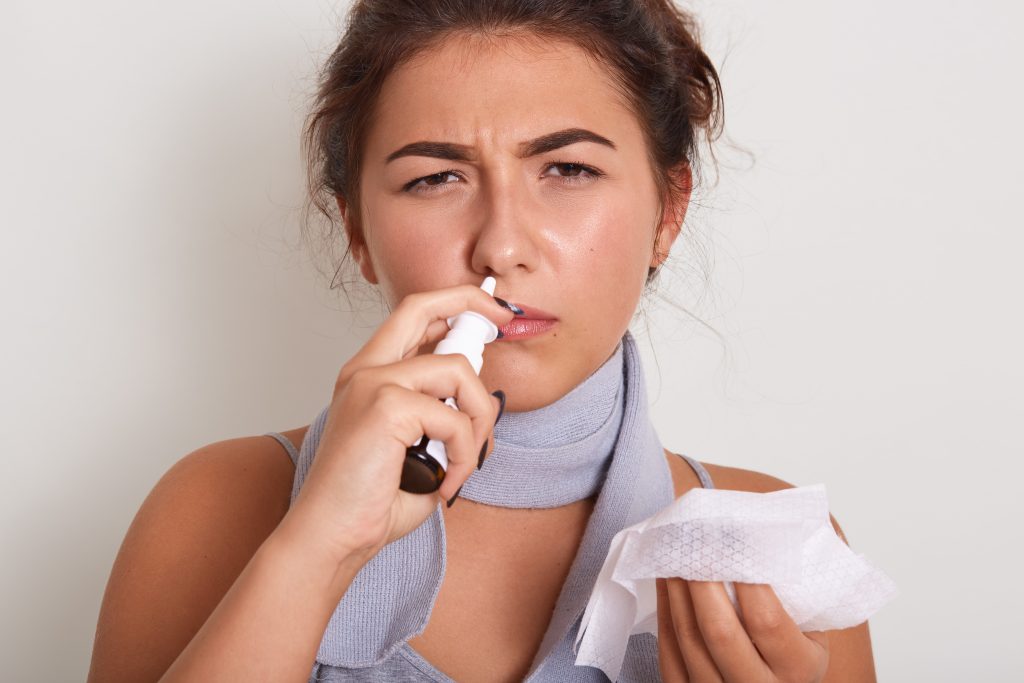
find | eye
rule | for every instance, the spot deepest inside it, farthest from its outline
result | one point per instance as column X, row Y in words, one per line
column 572, row 173
column 429, row 182
column 575, row 172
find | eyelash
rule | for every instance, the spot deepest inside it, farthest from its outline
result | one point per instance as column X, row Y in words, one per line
column 571, row 180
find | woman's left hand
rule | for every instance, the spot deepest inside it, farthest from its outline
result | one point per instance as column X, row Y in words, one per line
column 701, row 638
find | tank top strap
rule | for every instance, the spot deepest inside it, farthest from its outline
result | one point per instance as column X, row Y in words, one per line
column 288, row 446
column 702, row 473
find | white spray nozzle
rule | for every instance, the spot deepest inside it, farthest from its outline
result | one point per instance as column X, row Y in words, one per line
column 469, row 332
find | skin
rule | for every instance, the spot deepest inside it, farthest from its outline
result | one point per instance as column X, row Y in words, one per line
column 554, row 236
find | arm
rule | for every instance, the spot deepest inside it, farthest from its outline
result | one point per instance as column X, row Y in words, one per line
column 208, row 586
column 269, row 625
column 219, row 578
column 849, row 650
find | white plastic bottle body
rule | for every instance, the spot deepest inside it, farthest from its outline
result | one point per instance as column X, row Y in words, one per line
column 425, row 465
column 435, row 448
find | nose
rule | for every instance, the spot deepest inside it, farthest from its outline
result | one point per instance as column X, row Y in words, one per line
column 506, row 238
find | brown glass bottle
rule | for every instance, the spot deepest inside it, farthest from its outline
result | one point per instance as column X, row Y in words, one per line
column 421, row 473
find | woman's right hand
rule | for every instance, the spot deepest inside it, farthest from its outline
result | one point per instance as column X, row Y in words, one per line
column 385, row 398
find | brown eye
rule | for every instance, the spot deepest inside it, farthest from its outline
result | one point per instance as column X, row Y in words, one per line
column 429, row 181
column 574, row 171
column 571, row 169
column 437, row 177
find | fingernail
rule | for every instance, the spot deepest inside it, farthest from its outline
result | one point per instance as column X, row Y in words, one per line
column 452, row 500
column 500, row 333
column 512, row 307
column 500, row 395
column 483, row 452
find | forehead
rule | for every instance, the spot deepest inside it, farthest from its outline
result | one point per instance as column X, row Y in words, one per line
column 502, row 89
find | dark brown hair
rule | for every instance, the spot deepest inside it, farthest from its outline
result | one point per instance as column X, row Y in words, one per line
column 651, row 46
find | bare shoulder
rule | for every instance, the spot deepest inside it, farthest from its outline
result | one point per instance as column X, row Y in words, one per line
column 738, row 479
column 190, row 539
column 731, row 478
column 241, row 485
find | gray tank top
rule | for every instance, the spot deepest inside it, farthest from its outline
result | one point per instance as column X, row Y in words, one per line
column 407, row 666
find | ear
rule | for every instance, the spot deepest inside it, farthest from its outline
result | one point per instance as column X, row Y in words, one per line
column 675, row 201
column 357, row 244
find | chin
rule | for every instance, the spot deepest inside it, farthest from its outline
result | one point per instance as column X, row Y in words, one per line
column 527, row 383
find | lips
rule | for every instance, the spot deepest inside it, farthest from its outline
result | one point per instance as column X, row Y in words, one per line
column 533, row 322
column 524, row 327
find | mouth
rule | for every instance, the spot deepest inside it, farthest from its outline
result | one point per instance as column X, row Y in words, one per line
column 532, row 323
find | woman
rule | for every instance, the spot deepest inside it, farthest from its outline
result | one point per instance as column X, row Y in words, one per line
column 552, row 146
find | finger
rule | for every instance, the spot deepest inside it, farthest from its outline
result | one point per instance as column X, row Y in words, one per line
column 727, row 641
column 820, row 637
column 489, row 442
column 438, row 376
column 434, row 333
column 414, row 414
column 443, row 376
column 699, row 663
column 406, row 329
column 790, row 654
column 670, row 659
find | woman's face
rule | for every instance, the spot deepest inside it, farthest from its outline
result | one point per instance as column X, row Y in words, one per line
column 566, row 227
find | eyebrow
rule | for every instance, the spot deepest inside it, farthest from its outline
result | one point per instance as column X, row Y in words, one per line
column 530, row 148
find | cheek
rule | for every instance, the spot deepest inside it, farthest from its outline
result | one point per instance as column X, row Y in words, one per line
column 609, row 242
column 404, row 246
column 605, row 261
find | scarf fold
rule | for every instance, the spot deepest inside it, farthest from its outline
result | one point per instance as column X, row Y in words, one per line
column 596, row 439
column 558, row 454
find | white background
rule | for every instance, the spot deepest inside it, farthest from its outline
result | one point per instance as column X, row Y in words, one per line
column 864, row 278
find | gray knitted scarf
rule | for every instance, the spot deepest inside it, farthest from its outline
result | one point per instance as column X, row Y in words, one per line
column 597, row 439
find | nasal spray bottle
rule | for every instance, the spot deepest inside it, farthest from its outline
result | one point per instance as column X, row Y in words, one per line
column 426, row 461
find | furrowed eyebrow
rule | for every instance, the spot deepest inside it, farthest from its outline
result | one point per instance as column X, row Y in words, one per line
column 438, row 150
column 530, row 148
column 562, row 138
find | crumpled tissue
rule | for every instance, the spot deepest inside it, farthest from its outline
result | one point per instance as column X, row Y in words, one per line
column 783, row 538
